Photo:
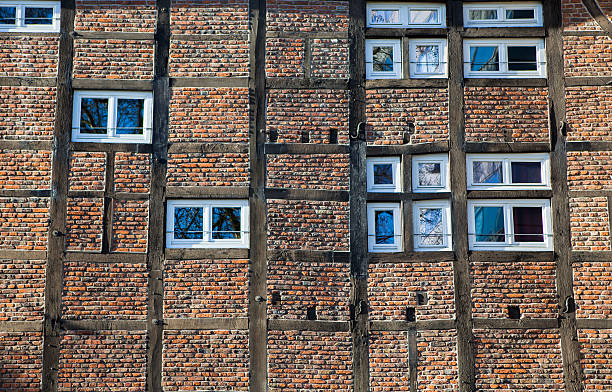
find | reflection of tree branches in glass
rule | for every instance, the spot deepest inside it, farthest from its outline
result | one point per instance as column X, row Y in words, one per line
column 385, row 16
column 384, row 227
column 382, row 57
column 8, row 15
column 430, row 226
column 188, row 223
column 429, row 174
column 94, row 115
column 483, row 14
column 130, row 116
column 428, row 58
column 489, row 224
column 424, row 16
column 226, row 223
column 484, row 58
column 38, row 16
column 488, row 172
column 383, row 174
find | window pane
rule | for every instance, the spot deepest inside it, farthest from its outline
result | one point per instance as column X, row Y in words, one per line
column 130, row 115
column 94, row 115
column 383, row 173
column 424, row 17
column 430, row 174
column 382, row 58
column 188, row 223
column 226, row 223
column 520, row 14
column 489, row 224
column 7, row 15
column 526, row 172
column 38, row 16
column 522, row 58
column 484, row 58
column 430, row 226
column 488, row 172
column 483, row 14
column 384, row 230
column 528, row 225
column 385, row 17
column 427, row 58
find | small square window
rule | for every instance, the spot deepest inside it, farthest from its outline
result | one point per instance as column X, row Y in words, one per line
column 430, row 173
column 507, row 58
column 384, row 227
column 383, row 174
column 382, row 16
column 406, row 15
column 207, row 224
column 428, row 58
column 29, row 16
column 519, row 14
column 383, row 59
column 432, row 226
column 508, row 171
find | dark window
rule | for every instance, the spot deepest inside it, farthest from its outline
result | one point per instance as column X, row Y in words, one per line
column 383, row 173
column 528, row 225
column 226, row 223
column 188, row 223
column 38, row 16
column 526, row 172
column 522, row 58
column 520, row 14
column 382, row 57
column 8, row 15
column 489, row 224
column 130, row 116
column 514, row 312
column 384, row 227
column 94, row 115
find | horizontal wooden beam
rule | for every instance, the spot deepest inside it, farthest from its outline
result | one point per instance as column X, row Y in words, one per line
column 578, row 81
column 142, row 148
column 17, row 81
column 112, row 35
column 584, row 33
column 306, row 83
column 103, row 325
column 209, row 37
column 306, row 148
column 207, row 192
column 486, row 82
column 201, row 324
column 424, row 325
column 504, row 32
column 178, row 148
column 411, row 257
column 14, row 34
column 309, row 256
column 589, row 146
column 511, row 194
column 36, row 145
column 112, row 84
column 591, row 193
column 503, row 256
column 308, row 325
column 490, row 323
column 25, row 192
column 21, row 326
column 377, row 32
column 229, row 82
column 403, row 196
column 11, row 254
column 306, row 194
column 106, row 258
column 207, row 254
column 506, row 147
column 405, row 83
column 412, row 149
column 579, row 257
column 594, row 323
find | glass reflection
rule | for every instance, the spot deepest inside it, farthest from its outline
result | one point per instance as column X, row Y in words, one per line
column 520, row 14
column 8, row 15
column 383, row 174
column 489, row 224
column 526, row 172
column 384, row 230
column 424, row 17
column 522, row 58
column 485, row 172
column 484, row 58
column 483, row 14
column 38, row 16
column 385, row 17
column 430, row 174
column 382, row 57
column 528, row 225
column 226, row 223
column 188, row 223
column 94, row 115
column 427, row 58
column 430, row 226
column 130, row 116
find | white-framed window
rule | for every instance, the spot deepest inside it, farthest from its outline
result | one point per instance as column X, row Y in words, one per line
column 430, row 173
column 508, row 171
column 432, row 225
column 112, row 116
column 406, row 15
column 383, row 174
column 504, row 58
column 510, row 224
column 383, row 59
column 207, row 224
column 428, row 58
column 385, row 233
column 517, row 14
column 29, row 16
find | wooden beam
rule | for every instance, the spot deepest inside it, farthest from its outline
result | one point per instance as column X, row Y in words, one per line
column 25, row 145
column 306, row 83
column 230, row 82
column 210, row 324
column 309, row 256
column 600, row 17
column 109, row 192
column 511, row 194
column 379, row 84
column 424, row 325
column 491, row 323
column 589, row 146
column 21, row 326
column 207, row 192
column 411, row 257
column 307, row 34
column 514, row 257
column 308, row 325
column 112, row 35
column 594, row 323
column 106, row 258
column 207, row 254
column 578, row 81
column 413, row 149
column 103, row 325
column 504, row 32
column 140, row 148
column 526, row 82
column 579, row 257
column 10, row 81
column 177, row 148
column 112, row 84
column 25, row 192
column 377, row 32
column 506, row 147
column 209, row 37
column 10, row 254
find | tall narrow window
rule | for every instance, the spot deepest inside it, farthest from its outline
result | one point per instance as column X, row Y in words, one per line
column 432, row 226
column 384, row 227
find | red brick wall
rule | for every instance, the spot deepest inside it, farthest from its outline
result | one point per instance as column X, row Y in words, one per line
column 205, row 361
column 301, row 285
column 285, row 57
column 589, row 113
column 24, row 223
column 130, row 223
column 115, row 15
column 329, row 58
column 205, row 288
column 84, row 224
column 316, row 171
column 389, row 366
column 103, row 361
column 27, row 113
column 25, row 169
column 87, row 171
column 132, row 172
column 589, row 170
column 310, row 15
column 590, row 223
column 388, row 113
column 593, row 289
column 197, row 59
column 210, row 17
column 30, row 56
column 596, row 359
column 587, row 56
column 20, row 361
column 393, row 286
column 437, row 366
column 530, row 286
column 208, row 169
column 113, row 59
column 577, row 17
column 309, row 361
column 498, row 114
column 22, row 291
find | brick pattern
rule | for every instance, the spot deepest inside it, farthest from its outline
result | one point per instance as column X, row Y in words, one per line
column 20, row 361
column 113, row 59
column 593, row 289
column 24, row 223
column 132, row 172
column 209, row 17
column 197, row 59
column 389, row 113
column 589, row 170
column 25, row 169
column 596, row 358
column 208, row 169
column 587, row 56
column 499, row 114
column 393, row 286
column 208, row 115
column 316, row 225
column 589, row 113
column 530, row 286
column 307, row 16
column 104, row 291
column 577, row 17
column 22, row 291
column 315, row 171
column 590, row 223
column 115, row 15
column 27, row 113
column 302, row 285
column 205, row 361
column 130, row 223
column 329, row 58
column 205, row 288
column 87, row 171
column 113, row 361
column 437, row 366
column 389, row 361
column 309, row 361
column 518, row 360
column 317, row 112
column 84, row 224
column 285, row 57
column 29, row 56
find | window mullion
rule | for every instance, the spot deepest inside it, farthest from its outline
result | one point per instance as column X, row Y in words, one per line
column 509, row 223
